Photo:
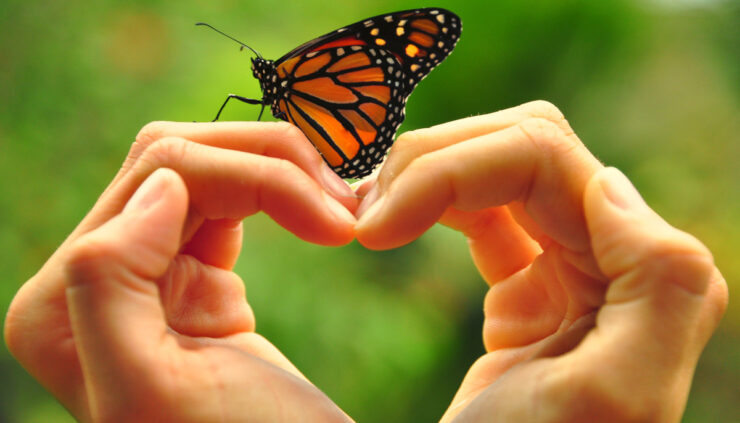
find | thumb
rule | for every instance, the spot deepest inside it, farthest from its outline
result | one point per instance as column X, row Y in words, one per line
column 664, row 272
column 665, row 297
column 114, row 306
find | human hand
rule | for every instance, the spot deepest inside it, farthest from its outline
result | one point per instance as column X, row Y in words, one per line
column 138, row 316
column 597, row 309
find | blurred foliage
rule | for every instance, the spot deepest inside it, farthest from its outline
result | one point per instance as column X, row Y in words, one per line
column 652, row 88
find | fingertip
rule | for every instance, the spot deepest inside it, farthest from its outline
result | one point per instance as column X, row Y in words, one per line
column 366, row 228
column 142, row 238
column 338, row 188
column 369, row 199
column 610, row 202
column 397, row 218
column 161, row 186
column 174, row 181
column 344, row 223
column 628, row 236
column 384, row 226
column 617, row 189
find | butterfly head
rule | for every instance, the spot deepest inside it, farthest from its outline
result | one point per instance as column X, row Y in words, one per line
column 259, row 67
column 264, row 71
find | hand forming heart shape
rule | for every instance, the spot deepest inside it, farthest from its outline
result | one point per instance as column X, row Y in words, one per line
column 597, row 309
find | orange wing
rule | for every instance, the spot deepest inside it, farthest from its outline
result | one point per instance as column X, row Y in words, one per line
column 348, row 100
column 420, row 39
column 347, row 89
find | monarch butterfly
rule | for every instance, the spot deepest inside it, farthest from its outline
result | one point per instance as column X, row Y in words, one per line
column 347, row 90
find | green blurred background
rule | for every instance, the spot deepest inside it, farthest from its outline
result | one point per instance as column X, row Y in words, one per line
column 652, row 87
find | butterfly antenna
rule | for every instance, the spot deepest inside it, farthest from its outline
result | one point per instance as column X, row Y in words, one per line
column 229, row 36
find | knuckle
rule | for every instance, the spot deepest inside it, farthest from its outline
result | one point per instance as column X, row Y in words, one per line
column 151, row 132
column 406, row 143
column 167, row 150
column 272, row 168
column 681, row 259
column 544, row 109
column 719, row 296
column 424, row 164
column 286, row 167
column 89, row 258
column 290, row 131
column 545, row 135
column 677, row 243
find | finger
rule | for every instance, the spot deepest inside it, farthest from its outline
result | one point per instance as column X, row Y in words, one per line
column 414, row 144
column 487, row 369
column 482, row 374
column 280, row 140
column 660, row 273
column 224, row 184
column 666, row 295
column 271, row 139
column 204, row 301
column 216, row 243
column 363, row 186
column 114, row 307
column 539, row 301
column 498, row 245
column 534, row 162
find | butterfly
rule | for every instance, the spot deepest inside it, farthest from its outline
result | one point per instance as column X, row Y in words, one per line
column 347, row 90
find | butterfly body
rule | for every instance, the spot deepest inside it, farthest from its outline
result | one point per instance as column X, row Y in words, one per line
column 265, row 72
column 347, row 90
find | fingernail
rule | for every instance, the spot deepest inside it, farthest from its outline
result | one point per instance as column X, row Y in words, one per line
column 339, row 210
column 148, row 192
column 334, row 184
column 372, row 212
column 368, row 200
column 619, row 190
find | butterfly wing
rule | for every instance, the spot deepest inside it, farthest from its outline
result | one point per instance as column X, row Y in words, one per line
column 347, row 102
column 420, row 39
column 347, row 89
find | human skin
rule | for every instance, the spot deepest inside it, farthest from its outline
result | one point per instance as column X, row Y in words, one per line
column 138, row 315
column 597, row 309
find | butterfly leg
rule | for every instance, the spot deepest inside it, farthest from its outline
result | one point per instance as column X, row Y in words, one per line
column 282, row 115
column 238, row 97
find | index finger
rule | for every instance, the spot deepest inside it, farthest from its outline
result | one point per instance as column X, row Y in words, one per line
column 534, row 161
column 272, row 139
column 412, row 145
column 279, row 140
